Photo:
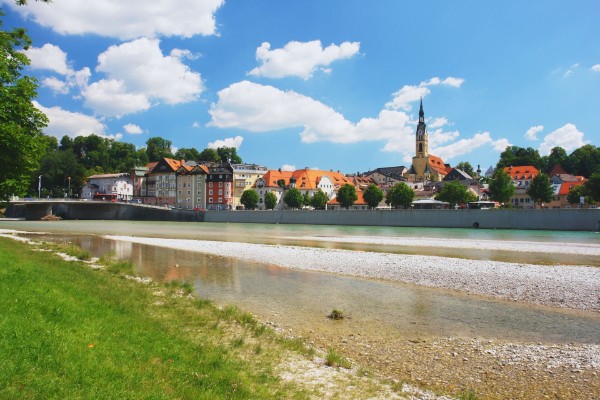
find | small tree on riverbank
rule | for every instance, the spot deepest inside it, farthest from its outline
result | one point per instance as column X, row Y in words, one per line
column 540, row 189
column 249, row 199
column 400, row 195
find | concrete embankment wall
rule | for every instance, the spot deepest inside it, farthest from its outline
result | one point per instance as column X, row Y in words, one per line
column 551, row 219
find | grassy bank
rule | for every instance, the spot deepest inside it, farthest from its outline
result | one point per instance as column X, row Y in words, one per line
column 70, row 331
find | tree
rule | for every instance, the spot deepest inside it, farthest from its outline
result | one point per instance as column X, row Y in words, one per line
column 373, row 195
column 584, row 161
column 270, row 200
column 21, row 123
column 306, row 199
column 516, row 156
column 400, row 195
column 576, row 193
column 501, row 187
column 593, row 186
column 229, row 154
column 557, row 155
column 158, row 148
column 293, row 198
column 454, row 193
column 540, row 189
column 187, row 154
column 346, row 195
column 465, row 166
column 319, row 200
column 249, row 199
column 209, row 155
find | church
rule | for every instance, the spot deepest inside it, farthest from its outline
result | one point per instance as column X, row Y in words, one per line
column 425, row 166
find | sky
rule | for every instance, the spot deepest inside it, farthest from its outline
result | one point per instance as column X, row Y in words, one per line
column 332, row 84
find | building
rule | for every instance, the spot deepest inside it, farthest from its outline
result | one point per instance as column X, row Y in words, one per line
column 244, row 178
column 274, row 181
column 387, row 177
column 161, row 182
column 191, row 186
column 219, row 187
column 425, row 166
column 108, row 187
column 522, row 177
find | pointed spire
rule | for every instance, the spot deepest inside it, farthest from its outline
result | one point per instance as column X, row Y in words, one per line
column 421, row 113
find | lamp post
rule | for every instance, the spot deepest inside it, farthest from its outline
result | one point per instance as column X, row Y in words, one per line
column 39, row 187
column 69, row 192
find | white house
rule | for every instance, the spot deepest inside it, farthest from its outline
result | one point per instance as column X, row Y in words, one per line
column 108, row 187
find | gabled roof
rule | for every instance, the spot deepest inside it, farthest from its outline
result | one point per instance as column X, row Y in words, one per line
column 173, row 165
column 108, row 176
column 522, row 172
column 310, row 178
column 567, row 186
column 557, row 170
column 437, row 164
column 274, row 175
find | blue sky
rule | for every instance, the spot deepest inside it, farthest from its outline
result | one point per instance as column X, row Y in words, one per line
column 321, row 84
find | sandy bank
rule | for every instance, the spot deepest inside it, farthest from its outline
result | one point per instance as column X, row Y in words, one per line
column 558, row 286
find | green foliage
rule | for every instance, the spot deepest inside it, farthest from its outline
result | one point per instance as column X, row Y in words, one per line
column 584, row 161
column 158, row 148
column 346, row 195
column 336, row 314
column 293, row 198
column 209, row 155
column 270, row 200
column 319, row 200
column 249, row 199
column 592, row 186
column 540, row 189
column 516, row 156
column 501, row 187
column 187, row 154
column 306, row 199
column 454, row 193
column 576, row 193
column 21, row 123
column 334, row 359
column 400, row 195
column 229, row 154
column 557, row 155
column 373, row 195
column 465, row 166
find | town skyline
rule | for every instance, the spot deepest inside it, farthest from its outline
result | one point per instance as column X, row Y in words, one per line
column 327, row 86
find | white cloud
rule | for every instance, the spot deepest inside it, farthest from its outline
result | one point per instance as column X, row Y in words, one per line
column 438, row 137
column 126, row 19
column 56, row 85
column 596, row 68
column 437, row 123
column 49, row 57
column 62, row 122
column 567, row 137
column 463, row 146
column 288, row 167
column 571, row 70
column 229, row 142
column 501, row 144
column 300, row 58
column 139, row 76
column 410, row 93
column 133, row 129
column 196, row 124
column 532, row 132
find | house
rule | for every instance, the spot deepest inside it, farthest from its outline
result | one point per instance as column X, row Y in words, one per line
column 219, row 187
column 561, row 192
column 522, row 177
column 191, row 186
column 244, row 178
column 473, row 185
column 274, row 181
column 161, row 182
column 117, row 187
column 386, row 177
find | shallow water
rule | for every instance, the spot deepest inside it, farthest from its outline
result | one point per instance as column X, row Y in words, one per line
column 301, row 300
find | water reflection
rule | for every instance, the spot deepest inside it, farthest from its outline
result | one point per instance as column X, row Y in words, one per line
column 302, row 299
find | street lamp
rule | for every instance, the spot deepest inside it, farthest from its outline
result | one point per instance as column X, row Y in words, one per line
column 69, row 192
column 39, row 187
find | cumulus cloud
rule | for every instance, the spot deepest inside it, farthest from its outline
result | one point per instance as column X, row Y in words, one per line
column 596, row 68
column 300, row 59
column 532, row 132
column 48, row 57
column 229, row 142
column 501, row 144
column 139, row 75
column 408, row 94
column 56, row 85
column 133, row 129
column 125, row 19
column 62, row 122
column 567, row 137
column 288, row 167
column 463, row 146
column 437, row 123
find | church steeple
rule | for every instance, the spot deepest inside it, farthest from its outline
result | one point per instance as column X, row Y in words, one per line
column 421, row 113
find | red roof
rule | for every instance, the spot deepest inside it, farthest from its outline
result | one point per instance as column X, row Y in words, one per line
column 567, row 186
column 522, row 172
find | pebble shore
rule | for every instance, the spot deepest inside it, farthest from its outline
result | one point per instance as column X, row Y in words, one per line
column 575, row 287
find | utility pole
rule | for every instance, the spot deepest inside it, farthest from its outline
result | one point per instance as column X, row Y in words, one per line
column 39, row 187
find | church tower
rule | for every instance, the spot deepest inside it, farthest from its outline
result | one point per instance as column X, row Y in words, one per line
column 421, row 159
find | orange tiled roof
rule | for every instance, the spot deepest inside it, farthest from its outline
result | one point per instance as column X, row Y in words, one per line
column 522, row 172
column 274, row 175
column 437, row 164
column 360, row 201
column 309, row 178
column 567, row 186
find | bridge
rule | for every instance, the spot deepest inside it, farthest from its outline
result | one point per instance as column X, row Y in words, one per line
column 36, row 209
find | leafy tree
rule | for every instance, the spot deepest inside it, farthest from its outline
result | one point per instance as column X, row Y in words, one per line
column 306, row 199
column 515, row 156
column 501, row 187
column 187, row 154
column 293, row 198
column 593, row 186
column 373, row 195
column 56, row 168
column 209, row 155
column 158, row 148
column 319, row 200
column 400, row 195
column 540, row 189
column 557, row 155
column 454, row 193
column 21, row 123
column 346, row 195
column 229, row 154
column 576, row 193
column 584, row 161
column 270, row 200
column 249, row 199
column 465, row 166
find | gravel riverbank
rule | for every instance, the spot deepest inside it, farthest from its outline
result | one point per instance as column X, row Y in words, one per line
column 573, row 287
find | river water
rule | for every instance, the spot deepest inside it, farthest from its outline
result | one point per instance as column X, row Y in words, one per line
column 300, row 300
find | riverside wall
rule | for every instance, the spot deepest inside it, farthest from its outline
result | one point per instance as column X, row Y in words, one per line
column 547, row 219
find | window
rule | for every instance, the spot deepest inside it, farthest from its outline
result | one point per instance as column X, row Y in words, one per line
column 210, row 192
column 210, row 184
column 220, row 184
column 220, row 192
column 189, row 192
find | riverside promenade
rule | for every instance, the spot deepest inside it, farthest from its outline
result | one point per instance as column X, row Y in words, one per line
column 544, row 219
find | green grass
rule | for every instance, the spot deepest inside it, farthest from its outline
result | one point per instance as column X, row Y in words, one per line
column 334, row 359
column 67, row 331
